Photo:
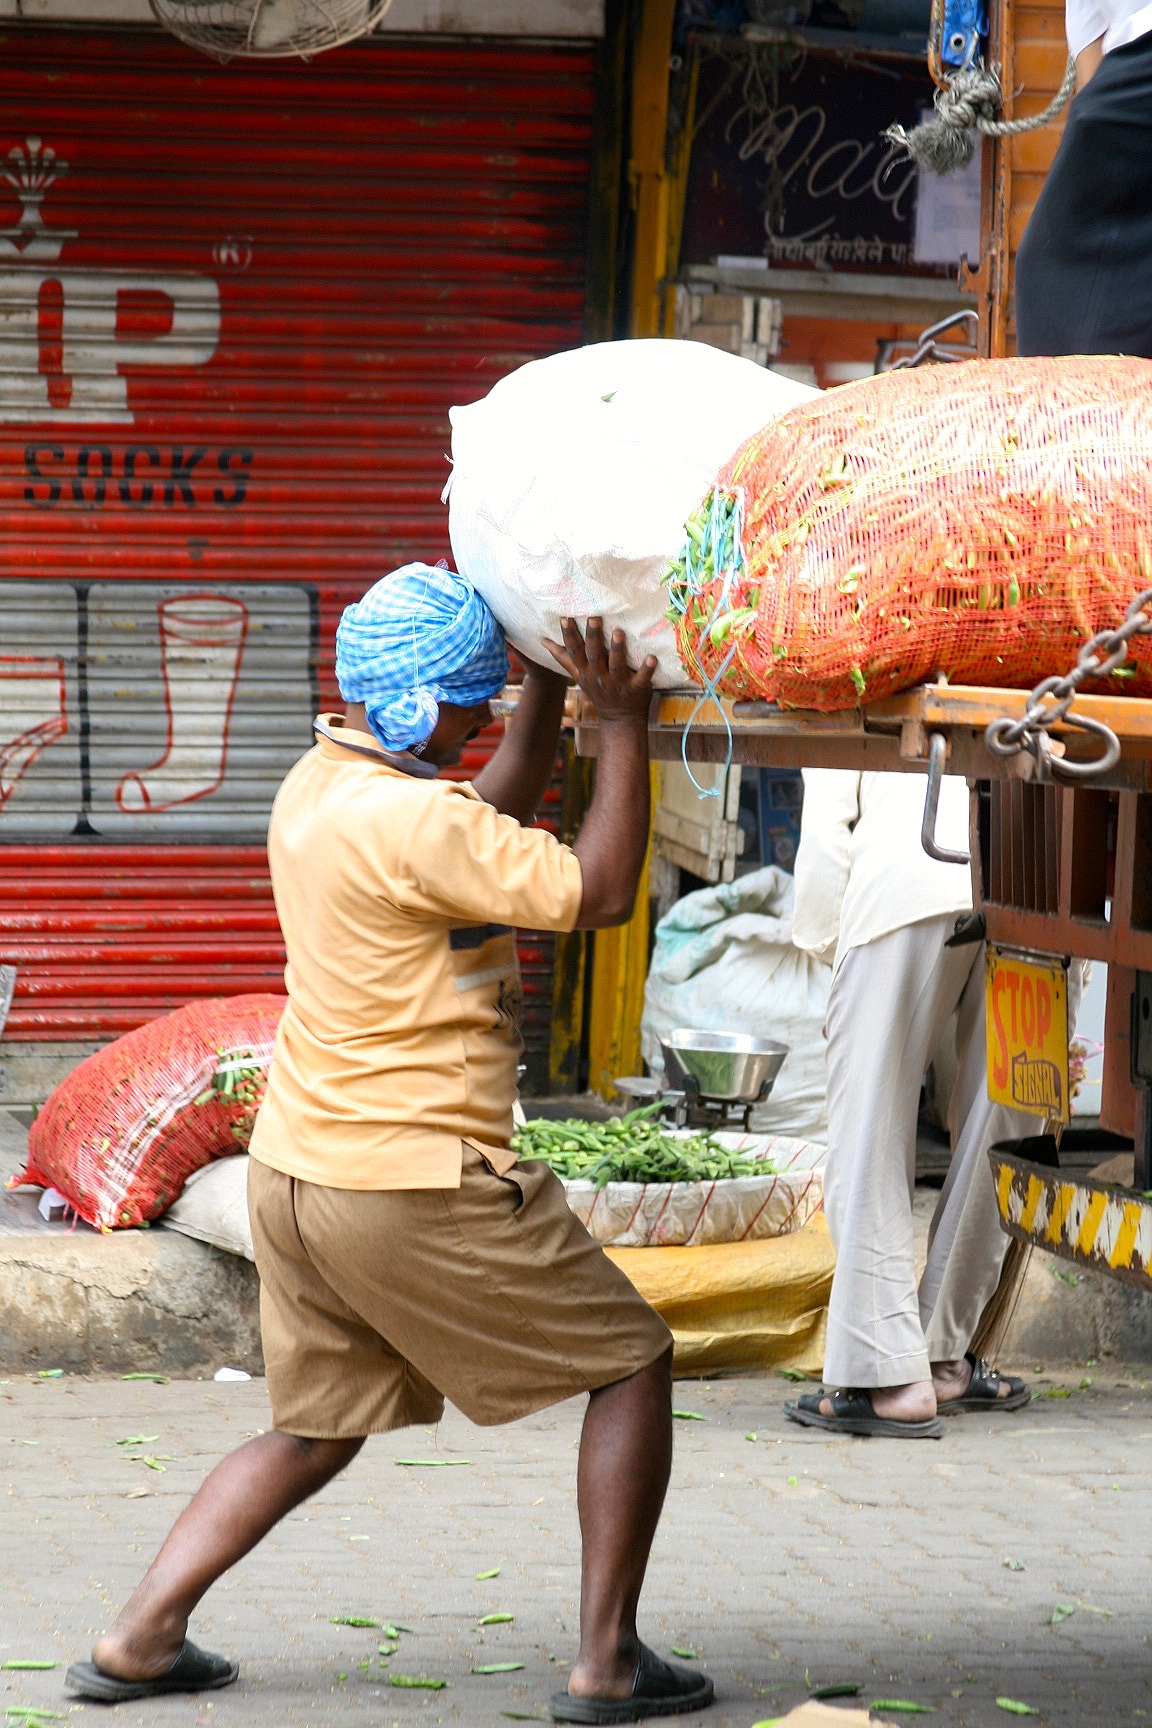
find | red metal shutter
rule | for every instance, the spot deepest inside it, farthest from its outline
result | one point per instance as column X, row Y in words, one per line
column 235, row 305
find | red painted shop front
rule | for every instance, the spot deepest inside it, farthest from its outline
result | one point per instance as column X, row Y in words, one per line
column 236, row 303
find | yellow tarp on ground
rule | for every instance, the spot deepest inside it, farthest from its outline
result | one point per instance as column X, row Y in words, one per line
column 737, row 1305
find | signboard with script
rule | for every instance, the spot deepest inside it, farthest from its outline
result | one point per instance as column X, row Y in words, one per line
column 1027, row 1026
column 790, row 161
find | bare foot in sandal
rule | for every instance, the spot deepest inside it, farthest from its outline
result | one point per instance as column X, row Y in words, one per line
column 915, row 1402
column 865, row 1411
column 970, row 1384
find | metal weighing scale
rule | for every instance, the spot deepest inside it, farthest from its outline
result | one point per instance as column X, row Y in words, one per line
column 713, row 1080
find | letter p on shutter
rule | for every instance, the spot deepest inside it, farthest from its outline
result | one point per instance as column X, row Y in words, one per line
column 95, row 353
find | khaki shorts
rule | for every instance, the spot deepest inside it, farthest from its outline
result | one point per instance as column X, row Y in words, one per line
column 376, row 1307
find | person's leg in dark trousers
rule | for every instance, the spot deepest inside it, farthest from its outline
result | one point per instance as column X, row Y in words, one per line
column 1084, row 268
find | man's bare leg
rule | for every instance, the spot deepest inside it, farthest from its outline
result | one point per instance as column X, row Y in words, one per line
column 234, row 1508
column 625, row 1462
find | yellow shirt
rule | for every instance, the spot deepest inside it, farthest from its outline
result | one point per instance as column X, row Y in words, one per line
column 397, row 895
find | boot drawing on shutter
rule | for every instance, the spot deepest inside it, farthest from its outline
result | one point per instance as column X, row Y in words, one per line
column 32, row 714
column 201, row 646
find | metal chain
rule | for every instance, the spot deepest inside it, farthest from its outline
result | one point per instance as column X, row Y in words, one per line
column 1050, row 702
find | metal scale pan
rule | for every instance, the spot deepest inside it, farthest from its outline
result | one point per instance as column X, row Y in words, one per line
column 712, row 1079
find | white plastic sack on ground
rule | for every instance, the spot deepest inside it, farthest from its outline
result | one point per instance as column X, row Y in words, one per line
column 724, row 962
column 213, row 1207
column 694, row 1214
column 573, row 478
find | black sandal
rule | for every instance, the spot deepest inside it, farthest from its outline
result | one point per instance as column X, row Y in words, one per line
column 194, row 1670
column 659, row 1689
column 852, row 1413
column 983, row 1392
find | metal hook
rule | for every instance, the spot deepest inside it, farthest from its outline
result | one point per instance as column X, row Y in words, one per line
column 1065, row 770
column 927, row 348
column 1001, row 735
column 937, row 755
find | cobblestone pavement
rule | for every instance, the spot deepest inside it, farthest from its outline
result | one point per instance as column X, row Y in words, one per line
column 785, row 1559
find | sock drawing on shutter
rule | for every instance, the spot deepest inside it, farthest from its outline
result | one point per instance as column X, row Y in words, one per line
column 202, row 640
column 32, row 714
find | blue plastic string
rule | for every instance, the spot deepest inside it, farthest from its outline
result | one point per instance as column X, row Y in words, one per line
column 727, row 549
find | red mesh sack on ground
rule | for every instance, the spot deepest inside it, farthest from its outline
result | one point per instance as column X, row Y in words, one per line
column 122, row 1134
column 980, row 521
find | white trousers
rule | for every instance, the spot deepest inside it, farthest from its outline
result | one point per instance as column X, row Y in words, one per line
column 890, row 1004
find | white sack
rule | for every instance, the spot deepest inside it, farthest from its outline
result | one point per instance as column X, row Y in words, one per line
column 213, row 1206
column 573, row 478
column 724, row 962
column 695, row 1214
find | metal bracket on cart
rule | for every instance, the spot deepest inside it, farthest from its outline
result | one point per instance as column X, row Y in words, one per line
column 937, row 756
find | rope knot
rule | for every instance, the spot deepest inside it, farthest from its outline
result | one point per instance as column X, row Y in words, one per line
column 948, row 140
column 966, row 109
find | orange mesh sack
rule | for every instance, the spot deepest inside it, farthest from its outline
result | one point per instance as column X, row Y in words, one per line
column 122, row 1134
column 980, row 521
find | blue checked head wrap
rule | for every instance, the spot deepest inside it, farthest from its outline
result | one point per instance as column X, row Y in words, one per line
column 419, row 637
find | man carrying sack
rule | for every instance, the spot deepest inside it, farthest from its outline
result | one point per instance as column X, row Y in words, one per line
column 404, row 1256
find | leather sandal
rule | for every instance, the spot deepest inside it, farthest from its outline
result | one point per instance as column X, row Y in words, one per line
column 194, row 1670
column 659, row 1688
column 983, row 1392
column 852, row 1413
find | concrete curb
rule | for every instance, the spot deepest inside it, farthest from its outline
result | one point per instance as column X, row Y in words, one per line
column 148, row 1301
